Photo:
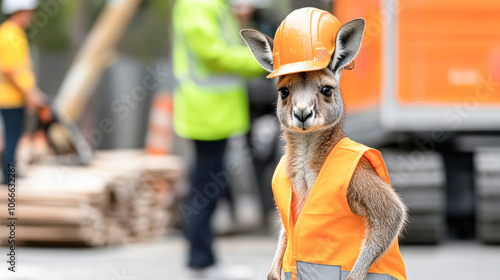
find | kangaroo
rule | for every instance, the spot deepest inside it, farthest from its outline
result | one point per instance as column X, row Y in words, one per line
column 311, row 111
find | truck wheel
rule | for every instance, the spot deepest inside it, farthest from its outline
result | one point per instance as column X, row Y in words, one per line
column 487, row 180
column 419, row 178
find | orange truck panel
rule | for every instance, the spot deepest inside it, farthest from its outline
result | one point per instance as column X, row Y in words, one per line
column 448, row 52
column 361, row 87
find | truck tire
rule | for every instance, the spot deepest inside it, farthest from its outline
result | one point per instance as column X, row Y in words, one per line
column 419, row 178
column 487, row 180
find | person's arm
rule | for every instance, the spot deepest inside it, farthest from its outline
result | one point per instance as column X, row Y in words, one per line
column 9, row 77
column 33, row 96
column 13, row 54
column 198, row 22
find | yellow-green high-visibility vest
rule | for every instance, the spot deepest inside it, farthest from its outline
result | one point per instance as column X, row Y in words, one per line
column 210, row 63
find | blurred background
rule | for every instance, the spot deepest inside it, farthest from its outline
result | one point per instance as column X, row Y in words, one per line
column 424, row 91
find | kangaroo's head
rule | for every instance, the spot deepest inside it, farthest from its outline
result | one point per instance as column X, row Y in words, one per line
column 310, row 100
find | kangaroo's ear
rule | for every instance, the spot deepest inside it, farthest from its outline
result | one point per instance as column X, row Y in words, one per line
column 347, row 44
column 261, row 47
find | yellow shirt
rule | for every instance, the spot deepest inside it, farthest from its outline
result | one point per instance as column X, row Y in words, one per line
column 15, row 59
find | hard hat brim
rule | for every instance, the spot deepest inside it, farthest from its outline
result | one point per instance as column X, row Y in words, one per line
column 297, row 67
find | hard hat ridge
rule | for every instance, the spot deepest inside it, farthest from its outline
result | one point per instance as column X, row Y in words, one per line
column 304, row 41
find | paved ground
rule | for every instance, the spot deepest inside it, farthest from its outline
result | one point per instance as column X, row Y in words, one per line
column 164, row 259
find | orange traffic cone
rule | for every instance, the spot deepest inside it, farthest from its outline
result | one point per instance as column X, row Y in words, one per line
column 159, row 136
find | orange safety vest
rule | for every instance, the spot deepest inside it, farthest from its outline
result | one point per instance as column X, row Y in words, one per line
column 326, row 239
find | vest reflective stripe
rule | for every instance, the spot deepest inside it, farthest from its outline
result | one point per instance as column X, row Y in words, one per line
column 193, row 74
column 312, row 271
column 326, row 239
column 221, row 81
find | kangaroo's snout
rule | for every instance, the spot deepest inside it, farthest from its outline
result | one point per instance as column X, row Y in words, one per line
column 303, row 116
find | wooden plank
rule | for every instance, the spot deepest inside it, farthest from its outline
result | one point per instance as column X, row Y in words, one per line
column 59, row 234
column 82, row 215
column 39, row 197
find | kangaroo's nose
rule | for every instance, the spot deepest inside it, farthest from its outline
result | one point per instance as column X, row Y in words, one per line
column 302, row 114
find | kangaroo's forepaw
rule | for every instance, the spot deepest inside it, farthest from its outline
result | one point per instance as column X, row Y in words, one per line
column 273, row 276
column 355, row 277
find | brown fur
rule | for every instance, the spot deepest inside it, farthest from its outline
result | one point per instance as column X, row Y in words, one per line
column 384, row 212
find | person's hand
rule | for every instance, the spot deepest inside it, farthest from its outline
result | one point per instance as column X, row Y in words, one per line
column 35, row 98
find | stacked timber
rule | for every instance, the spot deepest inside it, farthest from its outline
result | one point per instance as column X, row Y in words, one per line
column 487, row 176
column 122, row 196
column 419, row 178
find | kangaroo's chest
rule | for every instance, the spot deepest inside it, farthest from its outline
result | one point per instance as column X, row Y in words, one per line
column 302, row 178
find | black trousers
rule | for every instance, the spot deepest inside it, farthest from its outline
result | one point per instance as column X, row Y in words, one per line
column 208, row 185
column 13, row 120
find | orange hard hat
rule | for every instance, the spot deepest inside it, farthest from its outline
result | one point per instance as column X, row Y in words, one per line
column 304, row 41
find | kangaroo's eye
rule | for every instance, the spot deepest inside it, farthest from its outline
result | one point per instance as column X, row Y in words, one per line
column 327, row 91
column 284, row 92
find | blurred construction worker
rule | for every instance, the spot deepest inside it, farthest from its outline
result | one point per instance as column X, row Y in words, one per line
column 210, row 105
column 17, row 82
